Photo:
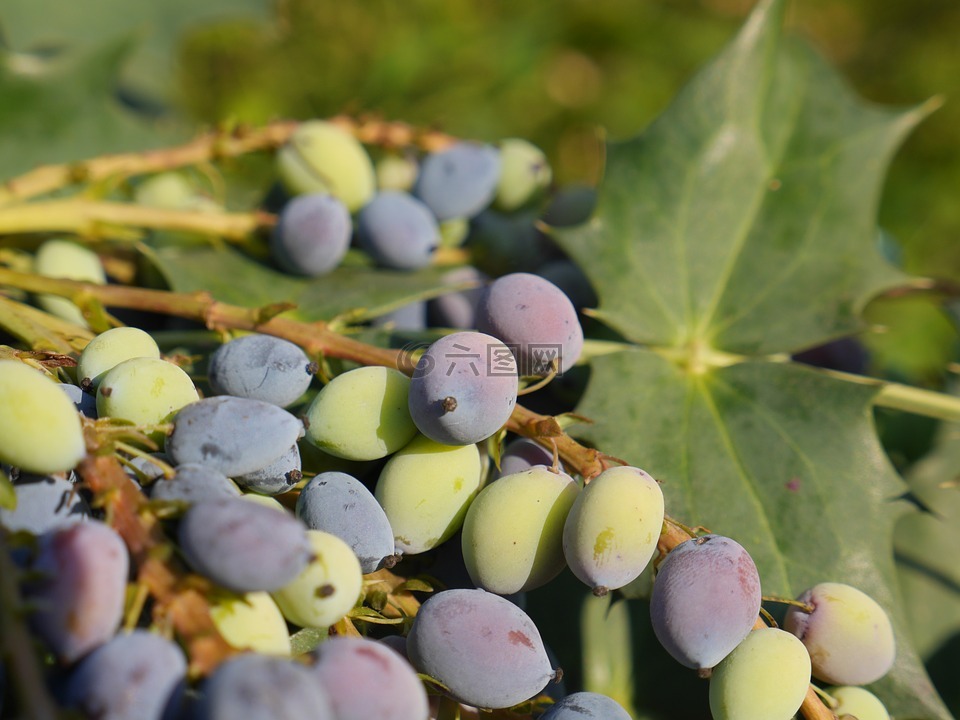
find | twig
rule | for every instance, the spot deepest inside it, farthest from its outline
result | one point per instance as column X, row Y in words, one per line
column 113, row 220
column 225, row 142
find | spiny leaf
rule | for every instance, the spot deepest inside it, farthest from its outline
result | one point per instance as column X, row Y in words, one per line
column 743, row 219
column 780, row 457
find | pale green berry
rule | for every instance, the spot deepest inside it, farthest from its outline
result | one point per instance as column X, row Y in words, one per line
column 40, row 429
column 322, row 157
column 858, row 702
column 765, row 678
column 327, row 589
column 110, row 348
column 71, row 261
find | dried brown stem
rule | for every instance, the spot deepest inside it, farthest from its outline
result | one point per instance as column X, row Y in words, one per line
column 546, row 430
column 373, row 130
column 672, row 535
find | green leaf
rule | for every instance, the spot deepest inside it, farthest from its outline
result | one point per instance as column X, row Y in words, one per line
column 415, row 585
column 55, row 112
column 780, row 457
column 307, row 639
column 235, row 278
column 73, row 26
column 742, row 223
column 372, row 291
column 743, row 219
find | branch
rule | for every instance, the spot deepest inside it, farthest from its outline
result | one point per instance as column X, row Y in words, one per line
column 316, row 338
column 225, row 142
column 99, row 219
column 220, row 143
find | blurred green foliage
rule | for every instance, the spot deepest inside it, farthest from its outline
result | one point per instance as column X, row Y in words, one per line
column 555, row 72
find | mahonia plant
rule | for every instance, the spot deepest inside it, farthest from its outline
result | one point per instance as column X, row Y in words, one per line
column 298, row 470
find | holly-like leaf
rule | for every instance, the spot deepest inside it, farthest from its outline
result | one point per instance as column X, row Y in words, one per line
column 743, row 222
column 235, row 278
column 744, row 218
column 55, row 112
column 781, row 458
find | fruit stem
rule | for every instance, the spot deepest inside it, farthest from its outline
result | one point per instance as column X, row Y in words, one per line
column 167, row 471
column 542, row 383
column 806, row 607
column 768, row 619
column 448, row 709
column 813, row 707
column 828, row 700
